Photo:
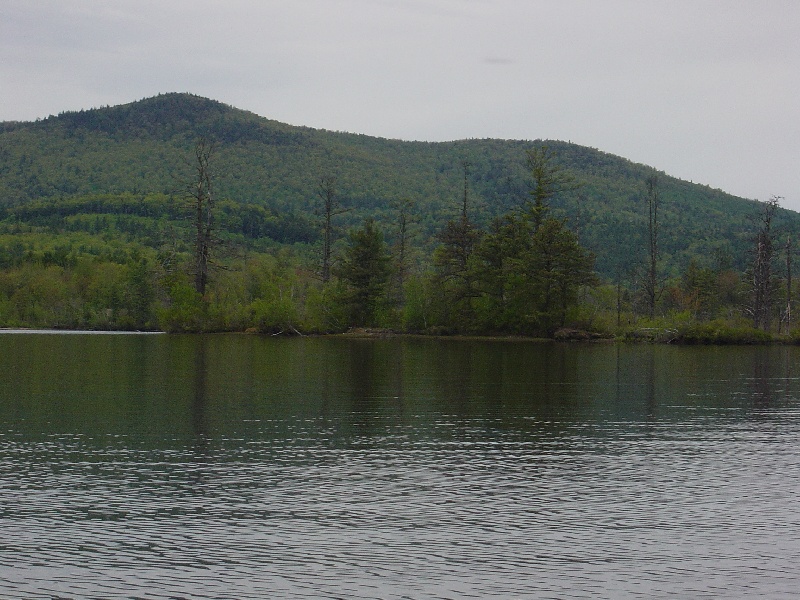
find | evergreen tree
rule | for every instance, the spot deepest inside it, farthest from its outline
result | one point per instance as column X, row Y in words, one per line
column 697, row 291
column 557, row 267
column 549, row 180
column 499, row 273
column 140, row 294
column 530, row 267
column 365, row 270
column 452, row 259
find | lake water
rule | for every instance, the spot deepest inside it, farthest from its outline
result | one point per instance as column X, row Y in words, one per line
column 240, row 467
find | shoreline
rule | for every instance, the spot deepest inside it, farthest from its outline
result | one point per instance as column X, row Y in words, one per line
column 367, row 333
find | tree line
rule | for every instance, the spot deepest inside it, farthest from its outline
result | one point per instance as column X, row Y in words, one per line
column 267, row 175
column 525, row 273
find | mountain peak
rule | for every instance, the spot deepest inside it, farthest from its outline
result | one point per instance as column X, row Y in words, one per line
column 155, row 116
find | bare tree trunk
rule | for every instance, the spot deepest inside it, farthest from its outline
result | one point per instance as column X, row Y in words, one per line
column 203, row 208
column 788, row 285
column 465, row 201
column 762, row 273
column 404, row 208
column 652, row 283
column 467, row 241
column 458, row 240
column 762, row 267
column 330, row 208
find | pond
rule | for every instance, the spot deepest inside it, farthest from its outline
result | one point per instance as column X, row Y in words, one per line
column 234, row 466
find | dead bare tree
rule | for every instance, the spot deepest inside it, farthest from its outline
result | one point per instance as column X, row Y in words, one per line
column 330, row 208
column 202, row 201
column 405, row 219
column 761, row 273
column 788, row 315
column 652, row 283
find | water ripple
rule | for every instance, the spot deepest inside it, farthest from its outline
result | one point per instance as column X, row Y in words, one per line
column 624, row 510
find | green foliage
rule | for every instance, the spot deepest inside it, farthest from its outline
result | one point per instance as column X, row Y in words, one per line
column 548, row 181
column 153, row 219
column 454, row 261
column 95, row 231
column 274, row 291
column 184, row 310
column 558, row 268
column 274, row 313
column 722, row 332
column 325, row 313
column 417, row 315
column 529, row 272
column 140, row 294
column 500, row 272
column 270, row 171
column 365, row 271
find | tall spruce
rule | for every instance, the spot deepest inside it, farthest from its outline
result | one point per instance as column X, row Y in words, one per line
column 365, row 270
column 457, row 242
column 548, row 180
column 557, row 267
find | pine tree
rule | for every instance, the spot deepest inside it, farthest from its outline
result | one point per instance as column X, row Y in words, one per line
column 365, row 270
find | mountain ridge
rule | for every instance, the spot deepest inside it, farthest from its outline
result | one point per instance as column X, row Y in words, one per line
column 144, row 147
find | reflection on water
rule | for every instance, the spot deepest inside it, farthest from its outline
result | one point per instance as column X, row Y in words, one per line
column 245, row 467
column 199, row 399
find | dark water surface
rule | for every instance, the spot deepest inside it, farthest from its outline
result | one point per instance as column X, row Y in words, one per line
column 245, row 467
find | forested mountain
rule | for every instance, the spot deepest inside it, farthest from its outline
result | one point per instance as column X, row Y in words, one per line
column 105, row 223
column 141, row 153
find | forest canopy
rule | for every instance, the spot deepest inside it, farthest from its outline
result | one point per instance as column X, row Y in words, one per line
column 504, row 236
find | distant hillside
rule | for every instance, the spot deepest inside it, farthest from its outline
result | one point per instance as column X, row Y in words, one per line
column 143, row 151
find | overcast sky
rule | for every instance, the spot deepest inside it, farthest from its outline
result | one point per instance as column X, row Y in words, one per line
column 706, row 90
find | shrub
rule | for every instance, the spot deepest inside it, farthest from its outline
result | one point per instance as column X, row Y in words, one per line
column 722, row 332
